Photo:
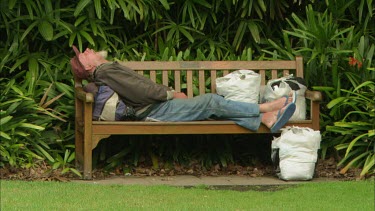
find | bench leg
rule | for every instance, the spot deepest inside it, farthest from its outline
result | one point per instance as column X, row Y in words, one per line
column 87, row 157
column 79, row 150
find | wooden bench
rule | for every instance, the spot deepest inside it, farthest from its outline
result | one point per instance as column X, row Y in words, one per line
column 88, row 133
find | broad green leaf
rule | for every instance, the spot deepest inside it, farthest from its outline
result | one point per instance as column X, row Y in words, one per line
column 187, row 34
column 66, row 155
column 45, row 153
column 323, row 88
column 369, row 163
column 165, row 4
column 76, row 172
column 56, row 165
column 17, row 90
column 65, row 170
column 254, row 31
column 79, row 20
column 371, row 133
column 353, row 162
column 11, row 4
column 48, row 8
column 364, row 84
column 299, row 21
column 46, row 30
column 4, row 120
column 94, row 27
column 353, row 142
column 4, row 135
column 80, row 6
column 87, row 37
column 335, row 102
column 68, row 90
column 31, row 26
column 21, row 133
column 72, row 38
column 98, row 8
column 71, row 157
column 203, row 3
column 19, row 62
column 31, row 126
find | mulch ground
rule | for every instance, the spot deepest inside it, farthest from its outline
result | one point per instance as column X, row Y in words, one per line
column 324, row 169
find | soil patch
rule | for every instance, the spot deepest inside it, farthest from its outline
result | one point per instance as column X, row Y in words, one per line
column 43, row 172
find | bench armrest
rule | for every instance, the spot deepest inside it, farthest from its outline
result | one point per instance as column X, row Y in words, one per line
column 313, row 95
column 84, row 96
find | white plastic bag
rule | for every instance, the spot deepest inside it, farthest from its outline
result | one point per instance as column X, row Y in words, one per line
column 298, row 152
column 240, row 85
column 272, row 92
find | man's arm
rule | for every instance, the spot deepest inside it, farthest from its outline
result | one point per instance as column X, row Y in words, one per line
column 133, row 88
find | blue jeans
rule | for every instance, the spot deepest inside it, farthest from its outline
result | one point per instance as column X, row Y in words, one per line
column 208, row 106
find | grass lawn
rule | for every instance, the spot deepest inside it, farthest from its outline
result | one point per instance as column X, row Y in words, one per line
column 22, row 195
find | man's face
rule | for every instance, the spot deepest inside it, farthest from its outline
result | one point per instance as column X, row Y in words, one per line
column 90, row 59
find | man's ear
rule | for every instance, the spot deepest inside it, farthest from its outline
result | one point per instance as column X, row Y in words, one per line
column 89, row 67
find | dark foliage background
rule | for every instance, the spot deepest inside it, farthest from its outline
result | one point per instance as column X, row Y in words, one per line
column 335, row 37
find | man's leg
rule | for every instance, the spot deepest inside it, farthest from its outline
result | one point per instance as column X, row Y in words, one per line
column 208, row 106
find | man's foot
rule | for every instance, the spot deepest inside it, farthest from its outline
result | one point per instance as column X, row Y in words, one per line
column 275, row 120
column 278, row 103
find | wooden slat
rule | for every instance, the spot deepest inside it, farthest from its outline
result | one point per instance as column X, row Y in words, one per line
column 207, row 65
column 165, row 77
column 140, row 72
column 189, row 83
column 225, row 72
column 274, row 74
column 177, row 81
column 299, row 66
column 285, row 72
column 262, row 77
column 202, row 84
column 193, row 127
column 213, row 81
column 153, row 75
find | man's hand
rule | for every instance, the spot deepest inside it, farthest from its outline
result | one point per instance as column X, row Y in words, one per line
column 180, row 95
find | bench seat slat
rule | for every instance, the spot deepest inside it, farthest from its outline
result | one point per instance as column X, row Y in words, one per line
column 194, row 127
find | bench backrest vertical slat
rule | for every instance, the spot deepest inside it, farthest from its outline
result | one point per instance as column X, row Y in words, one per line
column 274, row 74
column 285, row 72
column 225, row 72
column 189, row 83
column 177, row 80
column 262, row 77
column 140, row 72
column 153, row 75
column 213, row 81
column 202, row 82
column 299, row 66
column 165, row 77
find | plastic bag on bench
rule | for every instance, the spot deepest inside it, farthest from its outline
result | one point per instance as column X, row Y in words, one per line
column 296, row 152
column 240, row 85
column 280, row 87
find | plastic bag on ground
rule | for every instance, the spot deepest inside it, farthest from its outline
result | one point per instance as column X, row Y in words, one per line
column 297, row 149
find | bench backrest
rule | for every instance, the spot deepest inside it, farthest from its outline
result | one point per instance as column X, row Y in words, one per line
column 180, row 75
column 199, row 77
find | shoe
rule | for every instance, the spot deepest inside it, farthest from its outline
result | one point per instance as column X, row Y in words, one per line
column 283, row 118
column 294, row 97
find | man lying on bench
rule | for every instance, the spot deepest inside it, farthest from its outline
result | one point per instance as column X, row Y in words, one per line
column 156, row 102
